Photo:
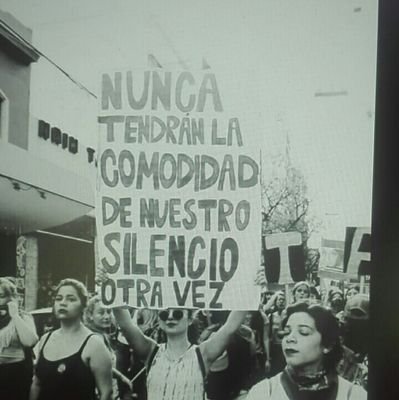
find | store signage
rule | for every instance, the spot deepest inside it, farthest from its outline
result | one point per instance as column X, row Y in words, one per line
column 59, row 138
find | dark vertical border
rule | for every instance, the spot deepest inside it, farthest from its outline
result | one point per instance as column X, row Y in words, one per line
column 384, row 352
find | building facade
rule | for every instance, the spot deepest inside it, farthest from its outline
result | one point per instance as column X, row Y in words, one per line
column 47, row 179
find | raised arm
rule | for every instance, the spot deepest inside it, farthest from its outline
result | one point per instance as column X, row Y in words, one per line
column 141, row 344
column 24, row 326
column 266, row 339
column 212, row 348
column 268, row 307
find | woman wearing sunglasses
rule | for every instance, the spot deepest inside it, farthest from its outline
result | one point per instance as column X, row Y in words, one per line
column 176, row 369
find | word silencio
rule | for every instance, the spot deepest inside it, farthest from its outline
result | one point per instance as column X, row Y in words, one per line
column 190, row 264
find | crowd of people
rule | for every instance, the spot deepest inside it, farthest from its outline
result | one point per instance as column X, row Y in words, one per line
column 306, row 344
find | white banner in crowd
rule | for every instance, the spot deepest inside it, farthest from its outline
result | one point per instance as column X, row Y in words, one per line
column 331, row 264
column 349, row 259
column 178, row 197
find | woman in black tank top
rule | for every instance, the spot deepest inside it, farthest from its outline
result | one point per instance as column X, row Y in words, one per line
column 73, row 363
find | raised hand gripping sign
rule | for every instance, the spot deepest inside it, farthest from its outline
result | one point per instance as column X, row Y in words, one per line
column 178, row 196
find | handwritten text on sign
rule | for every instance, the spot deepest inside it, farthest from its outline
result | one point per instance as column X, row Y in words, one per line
column 178, row 196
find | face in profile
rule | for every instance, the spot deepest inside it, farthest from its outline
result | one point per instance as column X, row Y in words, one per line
column 101, row 317
column 67, row 303
column 174, row 321
column 302, row 343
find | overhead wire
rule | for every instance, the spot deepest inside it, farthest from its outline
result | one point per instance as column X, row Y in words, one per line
column 31, row 46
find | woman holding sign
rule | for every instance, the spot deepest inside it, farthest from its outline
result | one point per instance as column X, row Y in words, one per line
column 176, row 369
column 312, row 349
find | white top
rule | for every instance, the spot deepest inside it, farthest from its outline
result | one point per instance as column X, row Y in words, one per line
column 272, row 389
column 11, row 349
column 179, row 379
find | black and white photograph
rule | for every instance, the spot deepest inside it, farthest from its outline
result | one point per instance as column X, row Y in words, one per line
column 193, row 200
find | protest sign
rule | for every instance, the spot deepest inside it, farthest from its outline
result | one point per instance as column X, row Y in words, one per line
column 357, row 253
column 331, row 264
column 349, row 259
column 284, row 257
column 178, row 196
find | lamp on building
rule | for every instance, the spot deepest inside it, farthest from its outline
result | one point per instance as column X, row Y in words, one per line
column 19, row 185
column 42, row 194
column 16, row 185
column 22, row 186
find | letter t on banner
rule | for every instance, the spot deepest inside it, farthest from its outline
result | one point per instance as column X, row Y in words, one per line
column 282, row 242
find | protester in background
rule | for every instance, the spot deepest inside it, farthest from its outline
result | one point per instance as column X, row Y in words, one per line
column 355, row 331
column 336, row 302
column 271, row 305
column 99, row 319
column 259, row 323
column 274, row 354
column 17, row 337
column 176, row 369
column 301, row 291
column 266, row 295
column 231, row 374
column 352, row 290
column 127, row 361
column 312, row 348
column 73, row 362
column 314, row 297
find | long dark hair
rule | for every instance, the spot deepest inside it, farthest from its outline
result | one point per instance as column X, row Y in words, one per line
column 327, row 325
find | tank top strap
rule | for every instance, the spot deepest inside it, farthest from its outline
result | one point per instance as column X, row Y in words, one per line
column 46, row 340
column 85, row 342
column 200, row 361
column 151, row 357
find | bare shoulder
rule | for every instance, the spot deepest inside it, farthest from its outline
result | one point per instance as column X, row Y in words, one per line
column 95, row 343
column 260, row 391
column 42, row 339
column 358, row 393
column 95, row 351
column 355, row 392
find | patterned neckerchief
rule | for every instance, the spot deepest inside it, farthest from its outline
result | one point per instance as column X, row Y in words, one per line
column 319, row 386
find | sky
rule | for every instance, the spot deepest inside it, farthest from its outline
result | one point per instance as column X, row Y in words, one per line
column 276, row 60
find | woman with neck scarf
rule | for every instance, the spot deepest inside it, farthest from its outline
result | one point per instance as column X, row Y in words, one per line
column 312, row 349
column 17, row 335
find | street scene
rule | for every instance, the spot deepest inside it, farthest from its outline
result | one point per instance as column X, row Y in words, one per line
column 186, row 199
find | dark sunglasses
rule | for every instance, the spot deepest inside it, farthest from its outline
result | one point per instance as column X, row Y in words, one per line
column 176, row 314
